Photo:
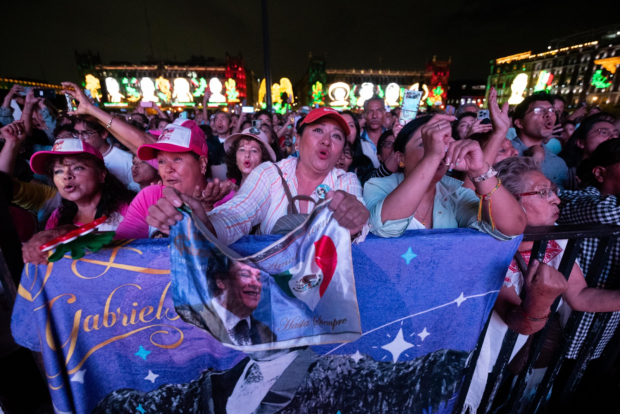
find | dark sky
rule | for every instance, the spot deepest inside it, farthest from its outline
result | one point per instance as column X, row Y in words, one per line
column 39, row 37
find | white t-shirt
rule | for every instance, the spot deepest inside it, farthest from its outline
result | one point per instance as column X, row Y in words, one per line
column 119, row 163
column 370, row 150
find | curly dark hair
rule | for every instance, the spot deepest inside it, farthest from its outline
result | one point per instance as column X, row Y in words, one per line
column 231, row 159
column 114, row 194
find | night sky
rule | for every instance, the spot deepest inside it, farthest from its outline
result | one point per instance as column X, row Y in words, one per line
column 39, row 38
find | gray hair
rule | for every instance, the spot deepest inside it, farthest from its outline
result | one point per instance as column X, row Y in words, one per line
column 374, row 98
column 511, row 171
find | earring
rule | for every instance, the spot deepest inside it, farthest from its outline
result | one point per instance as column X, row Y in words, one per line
column 401, row 164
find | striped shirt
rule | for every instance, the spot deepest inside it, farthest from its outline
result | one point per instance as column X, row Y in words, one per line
column 262, row 200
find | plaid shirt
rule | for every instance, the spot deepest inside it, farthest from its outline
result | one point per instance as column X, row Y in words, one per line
column 584, row 207
column 261, row 200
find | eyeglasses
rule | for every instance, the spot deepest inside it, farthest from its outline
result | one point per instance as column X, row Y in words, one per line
column 387, row 144
column 545, row 193
column 606, row 132
column 538, row 111
column 84, row 134
column 348, row 154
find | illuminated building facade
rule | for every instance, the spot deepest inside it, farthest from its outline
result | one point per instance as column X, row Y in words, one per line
column 581, row 68
column 349, row 88
column 462, row 92
column 168, row 84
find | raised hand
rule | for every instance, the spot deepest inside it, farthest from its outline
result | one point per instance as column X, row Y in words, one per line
column 84, row 104
column 436, row 136
column 14, row 132
column 499, row 117
column 466, row 155
column 479, row 128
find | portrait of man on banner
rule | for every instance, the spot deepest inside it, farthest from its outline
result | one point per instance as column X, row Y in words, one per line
column 236, row 290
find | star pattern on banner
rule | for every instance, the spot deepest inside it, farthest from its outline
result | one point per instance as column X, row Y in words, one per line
column 397, row 346
column 151, row 377
column 142, row 353
column 139, row 408
column 79, row 376
column 357, row 356
column 460, row 299
column 423, row 334
column 409, row 256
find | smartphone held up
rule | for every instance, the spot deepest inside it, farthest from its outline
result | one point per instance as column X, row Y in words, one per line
column 409, row 110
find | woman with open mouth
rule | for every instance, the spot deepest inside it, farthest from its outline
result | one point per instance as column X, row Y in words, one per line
column 289, row 188
column 87, row 188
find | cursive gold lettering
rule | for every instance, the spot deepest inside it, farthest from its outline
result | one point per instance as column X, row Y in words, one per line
column 96, row 324
column 149, row 310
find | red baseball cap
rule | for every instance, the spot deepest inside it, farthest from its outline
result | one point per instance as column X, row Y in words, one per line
column 181, row 136
column 319, row 113
column 68, row 146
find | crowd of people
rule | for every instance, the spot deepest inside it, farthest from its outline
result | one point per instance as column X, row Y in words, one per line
column 536, row 164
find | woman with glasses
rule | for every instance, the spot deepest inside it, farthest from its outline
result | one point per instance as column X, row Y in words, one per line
column 346, row 159
column 537, row 195
column 117, row 161
column 593, row 131
column 421, row 196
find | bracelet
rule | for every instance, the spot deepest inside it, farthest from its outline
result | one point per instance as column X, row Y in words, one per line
column 483, row 197
column 534, row 319
column 110, row 123
column 490, row 173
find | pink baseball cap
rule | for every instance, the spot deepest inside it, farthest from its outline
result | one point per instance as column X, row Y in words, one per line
column 330, row 113
column 68, row 146
column 251, row 132
column 181, row 136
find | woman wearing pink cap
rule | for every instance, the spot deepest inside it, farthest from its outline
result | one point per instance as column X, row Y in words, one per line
column 87, row 188
column 262, row 199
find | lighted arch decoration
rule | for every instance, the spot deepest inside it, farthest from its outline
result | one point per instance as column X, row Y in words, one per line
column 163, row 87
column 93, row 85
column 147, row 87
column 392, row 94
column 518, row 86
column 182, row 91
column 366, row 92
column 416, row 87
column 339, row 93
column 114, row 90
column 215, row 86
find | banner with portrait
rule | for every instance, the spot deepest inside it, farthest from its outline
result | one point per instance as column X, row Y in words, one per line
column 297, row 291
column 112, row 341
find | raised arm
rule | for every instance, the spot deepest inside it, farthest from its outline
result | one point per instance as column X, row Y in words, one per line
column 501, row 125
column 405, row 199
column 126, row 133
column 30, row 105
column 14, row 134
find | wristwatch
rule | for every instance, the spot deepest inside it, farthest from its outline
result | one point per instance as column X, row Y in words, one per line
column 490, row 173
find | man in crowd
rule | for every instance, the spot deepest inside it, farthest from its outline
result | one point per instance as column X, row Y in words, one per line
column 534, row 119
column 374, row 114
column 468, row 107
column 221, row 130
column 116, row 160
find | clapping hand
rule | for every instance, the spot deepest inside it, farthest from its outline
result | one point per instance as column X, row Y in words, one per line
column 213, row 192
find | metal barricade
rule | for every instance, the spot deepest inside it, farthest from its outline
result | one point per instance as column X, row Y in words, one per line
column 607, row 236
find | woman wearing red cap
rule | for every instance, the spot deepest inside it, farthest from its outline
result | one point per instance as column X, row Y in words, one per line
column 262, row 199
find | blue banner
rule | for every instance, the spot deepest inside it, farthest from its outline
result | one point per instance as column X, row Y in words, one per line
column 112, row 341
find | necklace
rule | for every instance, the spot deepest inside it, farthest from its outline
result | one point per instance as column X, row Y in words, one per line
column 426, row 214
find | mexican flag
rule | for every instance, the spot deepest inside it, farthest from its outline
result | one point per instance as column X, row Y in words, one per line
column 309, row 279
